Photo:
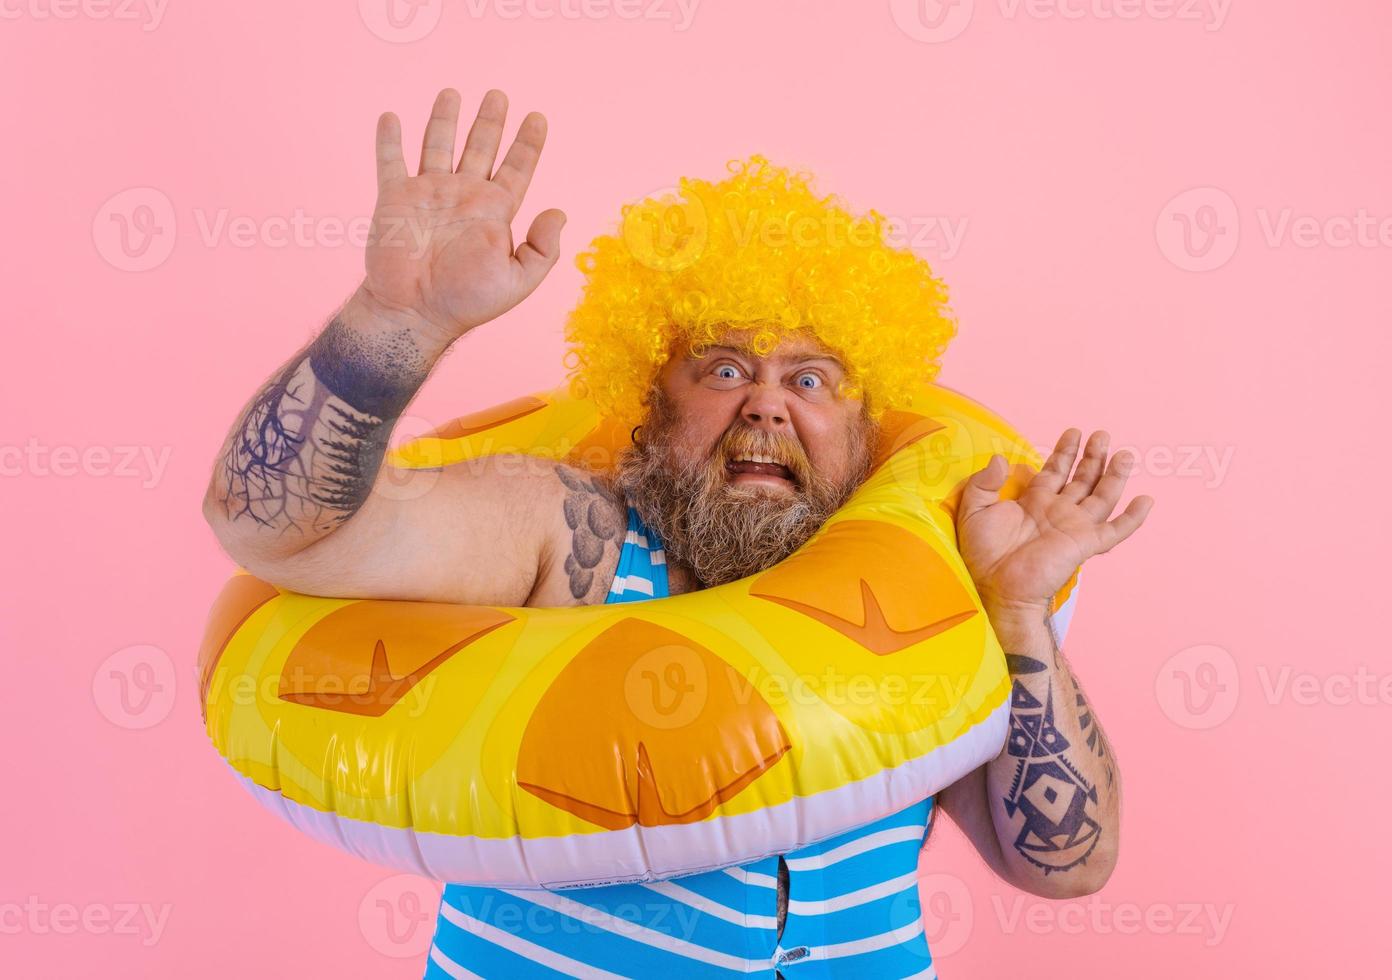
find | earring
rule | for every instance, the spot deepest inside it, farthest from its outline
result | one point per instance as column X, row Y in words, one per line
column 633, row 435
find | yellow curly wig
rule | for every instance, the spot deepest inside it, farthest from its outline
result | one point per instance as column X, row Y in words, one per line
column 757, row 250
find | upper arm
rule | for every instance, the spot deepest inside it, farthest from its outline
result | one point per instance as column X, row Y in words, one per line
column 478, row 532
column 965, row 802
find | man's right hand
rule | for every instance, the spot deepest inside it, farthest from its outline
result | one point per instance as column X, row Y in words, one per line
column 441, row 248
column 293, row 496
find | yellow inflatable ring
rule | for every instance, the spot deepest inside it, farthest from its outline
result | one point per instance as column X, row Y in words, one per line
column 520, row 747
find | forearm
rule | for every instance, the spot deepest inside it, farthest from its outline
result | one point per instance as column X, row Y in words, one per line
column 305, row 452
column 1054, row 793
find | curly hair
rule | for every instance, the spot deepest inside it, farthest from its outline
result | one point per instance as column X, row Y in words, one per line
column 758, row 250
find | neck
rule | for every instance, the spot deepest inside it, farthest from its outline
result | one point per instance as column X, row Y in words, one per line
column 680, row 577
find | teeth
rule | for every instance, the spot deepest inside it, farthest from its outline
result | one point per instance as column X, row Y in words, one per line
column 759, row 459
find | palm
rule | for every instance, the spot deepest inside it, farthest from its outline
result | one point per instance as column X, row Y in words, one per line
column 442, row 241
column 1025, row 550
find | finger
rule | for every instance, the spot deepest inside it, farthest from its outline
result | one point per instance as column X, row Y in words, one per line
column 391, row 164
column 1105, row 495
column 542, row 248
column 521, row 160
column 437, row 149
column 983, row 487
column 1090, row 469
column 1124, row 524
column 1054, row 474
column 485, row 135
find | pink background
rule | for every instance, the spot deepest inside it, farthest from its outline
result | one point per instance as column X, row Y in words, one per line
column 1219, row 645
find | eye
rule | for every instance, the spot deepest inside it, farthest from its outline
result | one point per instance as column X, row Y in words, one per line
column 815, row 378
column 735, row 372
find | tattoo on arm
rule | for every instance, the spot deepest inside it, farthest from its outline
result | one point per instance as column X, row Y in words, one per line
column 594, row 518
column 1092, row 732
column 305, row 454
column 1059, row 804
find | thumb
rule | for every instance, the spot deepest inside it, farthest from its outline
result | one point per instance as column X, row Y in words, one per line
column 983, row 487
column 541, row 249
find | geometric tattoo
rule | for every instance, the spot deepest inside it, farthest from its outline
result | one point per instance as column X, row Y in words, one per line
column 1057, row 800
column 1091, row 731
column 306, row 452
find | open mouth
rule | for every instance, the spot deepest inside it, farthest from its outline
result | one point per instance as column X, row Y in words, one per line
column 759, row 466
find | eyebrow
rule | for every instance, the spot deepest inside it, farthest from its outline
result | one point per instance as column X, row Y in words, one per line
column 798, row 359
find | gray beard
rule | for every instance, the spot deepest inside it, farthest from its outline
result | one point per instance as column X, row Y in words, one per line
column 721, row 531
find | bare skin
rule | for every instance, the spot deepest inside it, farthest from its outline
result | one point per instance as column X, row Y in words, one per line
column 1046, row 813
column 298, row 496
column 790, row 393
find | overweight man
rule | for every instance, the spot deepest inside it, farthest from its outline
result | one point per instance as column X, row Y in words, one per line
column 756, row 367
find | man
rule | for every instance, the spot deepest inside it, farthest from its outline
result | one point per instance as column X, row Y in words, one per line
column 762, row 353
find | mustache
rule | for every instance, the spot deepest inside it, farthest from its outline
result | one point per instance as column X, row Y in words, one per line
column 742, row 441
column 682, row 491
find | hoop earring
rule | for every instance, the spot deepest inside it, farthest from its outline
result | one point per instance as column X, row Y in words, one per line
column 633, row 435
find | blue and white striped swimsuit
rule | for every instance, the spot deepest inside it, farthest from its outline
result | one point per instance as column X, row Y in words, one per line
column 853, row 905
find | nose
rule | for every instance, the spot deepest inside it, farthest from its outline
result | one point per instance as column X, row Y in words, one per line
column 765, row 408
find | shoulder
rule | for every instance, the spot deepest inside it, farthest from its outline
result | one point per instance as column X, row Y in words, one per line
column 585, row 519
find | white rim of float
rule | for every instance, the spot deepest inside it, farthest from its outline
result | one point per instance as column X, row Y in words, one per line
column 610, row 857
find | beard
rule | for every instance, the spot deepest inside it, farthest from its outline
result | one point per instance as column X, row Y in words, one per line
column 722, row 531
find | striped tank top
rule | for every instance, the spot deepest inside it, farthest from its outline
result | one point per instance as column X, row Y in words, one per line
column 852, row 902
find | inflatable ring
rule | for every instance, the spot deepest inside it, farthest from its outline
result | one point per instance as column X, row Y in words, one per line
column 521, row 747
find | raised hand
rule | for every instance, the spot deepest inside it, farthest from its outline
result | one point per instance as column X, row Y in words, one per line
column 1021, row 552
column 441, row 247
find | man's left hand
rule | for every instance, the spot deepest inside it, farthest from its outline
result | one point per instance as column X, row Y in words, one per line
column 1021, row 552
